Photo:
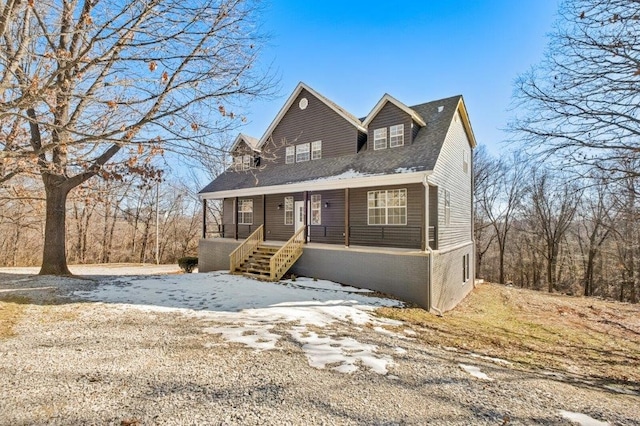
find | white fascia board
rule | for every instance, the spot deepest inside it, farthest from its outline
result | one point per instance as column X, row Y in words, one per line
column 462, row 108
column 243, row 138
column 388, row 98
column 322, row 185
column 288, row 104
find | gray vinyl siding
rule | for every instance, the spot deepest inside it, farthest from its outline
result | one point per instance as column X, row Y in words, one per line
column 243, row 230
column 414, row 130
column 407, row 236
column 228, row 223
column 317, row 122
column 390, row 115
column 331, row 229
column 449, row 175
column 275, row 229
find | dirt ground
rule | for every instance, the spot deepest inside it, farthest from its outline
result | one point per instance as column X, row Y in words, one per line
column 590, row 338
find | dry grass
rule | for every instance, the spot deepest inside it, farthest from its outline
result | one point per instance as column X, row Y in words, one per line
column 583, row 336
column 11, row 311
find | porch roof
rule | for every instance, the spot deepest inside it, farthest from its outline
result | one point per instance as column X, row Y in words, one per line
column 420, row 156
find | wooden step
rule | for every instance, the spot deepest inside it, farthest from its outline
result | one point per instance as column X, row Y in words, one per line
column 267, row 249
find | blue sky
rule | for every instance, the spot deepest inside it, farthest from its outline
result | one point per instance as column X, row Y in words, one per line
column 355, row 51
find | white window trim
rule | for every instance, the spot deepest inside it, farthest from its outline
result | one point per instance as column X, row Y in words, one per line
column 398, row 129
column 290, row 155
column 237, row 162
column 303, row 150
column 447, row 207
column 246, row 162
column 316, row 150
column 242, row 213
column 316, row 206
column 387, row 207
column 288, row 208
column 379, row 135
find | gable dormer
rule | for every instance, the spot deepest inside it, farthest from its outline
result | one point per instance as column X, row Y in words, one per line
column 245, row 153
column 310, row 127
column 391, row 124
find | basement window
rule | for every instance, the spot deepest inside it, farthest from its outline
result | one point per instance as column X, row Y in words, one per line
column 465, row 268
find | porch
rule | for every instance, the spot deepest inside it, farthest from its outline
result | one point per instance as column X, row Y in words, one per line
column 402, row 272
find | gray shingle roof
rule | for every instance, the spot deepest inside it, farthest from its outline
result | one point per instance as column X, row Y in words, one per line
column 421, row 155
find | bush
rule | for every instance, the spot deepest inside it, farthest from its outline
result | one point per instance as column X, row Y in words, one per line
column 188, row 263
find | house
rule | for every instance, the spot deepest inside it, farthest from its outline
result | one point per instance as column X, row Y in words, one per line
column 383, row 202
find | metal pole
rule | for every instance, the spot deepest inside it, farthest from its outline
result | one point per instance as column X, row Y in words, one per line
column 157, row 223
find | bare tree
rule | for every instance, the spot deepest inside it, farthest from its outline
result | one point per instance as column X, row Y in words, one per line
column 499, row 196
column 581, row 105
column 106, row 84
column 595, row 220
column 553, row 206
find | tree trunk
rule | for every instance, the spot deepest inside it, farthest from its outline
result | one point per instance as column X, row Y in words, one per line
column 54, row 260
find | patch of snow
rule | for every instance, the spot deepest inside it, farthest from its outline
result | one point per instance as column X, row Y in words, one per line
column 349, row 174
column 342, row 353
column 409, row 331
column 325, row 285
column 256, row 337
column 392, row 377
column 475, row 372
column 400, row 350
column 582, row 419
column 243, row 310
column 405, row 170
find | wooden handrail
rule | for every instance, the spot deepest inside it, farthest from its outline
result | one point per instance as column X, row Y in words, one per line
column 246, row 248
column 288, row 253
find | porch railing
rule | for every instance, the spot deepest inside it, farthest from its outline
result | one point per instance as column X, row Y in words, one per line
column 246, row 248
column 288, row 253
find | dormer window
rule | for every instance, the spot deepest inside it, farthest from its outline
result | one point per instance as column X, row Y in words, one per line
column 242, row 162
column 396, row 135
column 380, row 138
column 237, row 162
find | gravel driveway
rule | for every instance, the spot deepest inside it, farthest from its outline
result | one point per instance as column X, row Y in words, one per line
column 215, row 349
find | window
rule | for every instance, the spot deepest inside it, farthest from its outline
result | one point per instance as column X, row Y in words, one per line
column 237, row 162
column 316, row 209
column 465, row 268
column 396, row 135
column 387, row 207
column 316, row 150
column 245, row 212
column 246, row 162
column 465, row 161
column 302, row 152
column 447, row 207
column 288, row 210
column 290, row 156
column 380, row 138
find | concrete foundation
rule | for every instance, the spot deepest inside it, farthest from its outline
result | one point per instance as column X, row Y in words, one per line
column 403, row 274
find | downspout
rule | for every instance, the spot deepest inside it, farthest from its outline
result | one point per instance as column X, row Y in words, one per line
column 425, row 182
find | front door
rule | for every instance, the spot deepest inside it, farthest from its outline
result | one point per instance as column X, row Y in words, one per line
column 300, row 214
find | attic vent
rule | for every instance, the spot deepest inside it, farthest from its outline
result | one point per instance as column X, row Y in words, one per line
column 441, row 108
column 303, row 103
